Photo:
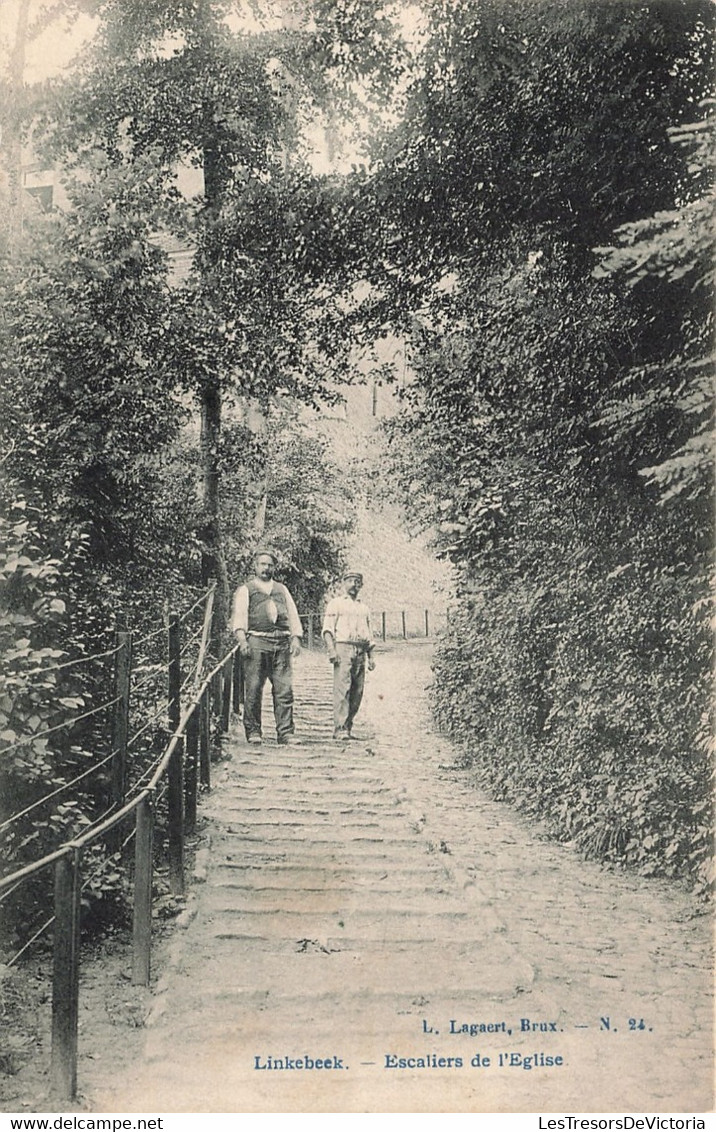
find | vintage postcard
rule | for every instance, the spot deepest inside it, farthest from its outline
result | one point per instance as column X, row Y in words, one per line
column 423, row 285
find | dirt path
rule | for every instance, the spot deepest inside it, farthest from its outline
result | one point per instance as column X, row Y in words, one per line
column 364, row 904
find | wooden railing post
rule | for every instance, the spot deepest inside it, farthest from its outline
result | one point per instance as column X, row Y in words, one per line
column 175, row 818
column 402, row 617
column 216, row 693
column 238, row 682
column 120, row 729
column 174, row 673
column 205, row 738
column 382, row 625
column 427, row 623
column 66, row 976
column 142, row 919
column 175, row 792
column 226, row 682
column 206, row 629
column 191, row 771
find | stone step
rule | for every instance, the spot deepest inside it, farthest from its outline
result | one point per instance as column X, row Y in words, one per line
column 311, row 824
column 265, row 814
column 358, row 774
column 354, row 860
column 370, row 874
column 318, row 833
column 482, row 973
column 332, row 794
column 334, row 897
column 331, row 938
column 341, row 921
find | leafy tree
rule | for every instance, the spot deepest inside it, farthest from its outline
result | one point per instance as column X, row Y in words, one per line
column 670, row 255
column 302, row 503
column 175, row 81
column 89, row 408
column 549, row 398
column 89, row 365
column 546, row 117
column 102, row 360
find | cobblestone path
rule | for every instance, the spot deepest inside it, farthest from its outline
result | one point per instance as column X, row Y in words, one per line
column 364, row 904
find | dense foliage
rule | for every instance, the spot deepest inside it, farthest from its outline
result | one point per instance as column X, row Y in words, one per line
column 538, row 224
column 284, row 490
column 547, row 205
column 129, row 483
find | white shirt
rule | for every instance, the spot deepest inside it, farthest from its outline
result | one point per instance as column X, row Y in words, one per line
column 240, row 613
column 348, row 621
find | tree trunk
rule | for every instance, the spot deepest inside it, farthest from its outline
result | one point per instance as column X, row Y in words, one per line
column 213, row 565
column 213, row 559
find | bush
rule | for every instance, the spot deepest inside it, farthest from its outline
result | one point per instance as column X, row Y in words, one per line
column 583, row 702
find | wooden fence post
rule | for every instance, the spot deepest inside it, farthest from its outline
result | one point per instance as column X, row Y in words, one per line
column 216, row 693
column 427, row 623
column 206, row 629
column 226, row 682
column 205, row 738
column 382, row 625
column 175, row 818
column 191, row 771
column 175, row 792
column 402, row 617
column 120, row 728
column 174, row 673
column 66, row 976
column 142, row 918
column 238, row 682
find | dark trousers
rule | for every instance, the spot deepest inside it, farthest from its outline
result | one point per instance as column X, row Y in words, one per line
column 268, row 660
column 348, row 684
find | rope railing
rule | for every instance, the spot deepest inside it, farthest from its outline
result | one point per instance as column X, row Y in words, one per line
column 157, row 670
column 60, row 790
column 31, row 870
column 8, row 892
column 199, row 601
column 42, row 669
column 31, row 940
column 170, row 782
column 194, row 637
column 98, row 820
column 130, row 836
column 161, row 711
column 184, row 719
column 59, row 727
column 150, row 635
column 136, row 785
column 188, row 680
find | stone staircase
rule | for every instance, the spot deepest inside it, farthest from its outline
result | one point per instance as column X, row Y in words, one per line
column 361, row 902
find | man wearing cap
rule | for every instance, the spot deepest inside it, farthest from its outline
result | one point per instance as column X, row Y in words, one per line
column 349, row 640
column 269, row 632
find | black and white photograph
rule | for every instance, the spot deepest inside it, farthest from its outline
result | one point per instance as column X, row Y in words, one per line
column 356, row 561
